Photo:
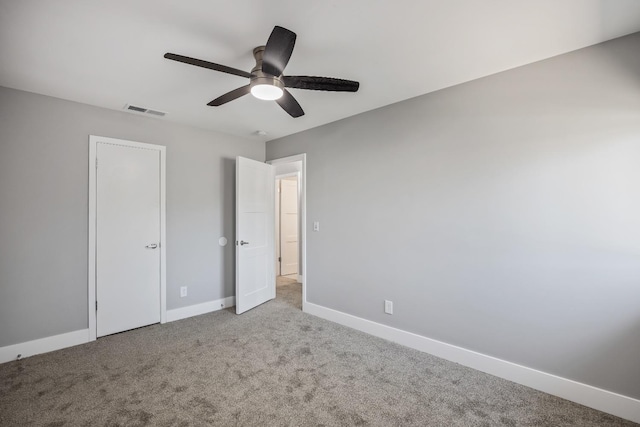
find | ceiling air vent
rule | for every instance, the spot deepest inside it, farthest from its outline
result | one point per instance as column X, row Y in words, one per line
column 144, row 110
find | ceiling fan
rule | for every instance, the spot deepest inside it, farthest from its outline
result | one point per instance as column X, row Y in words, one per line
column 266, row 80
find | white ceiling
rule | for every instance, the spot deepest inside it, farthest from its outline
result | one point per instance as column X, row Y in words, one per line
column 109, row 53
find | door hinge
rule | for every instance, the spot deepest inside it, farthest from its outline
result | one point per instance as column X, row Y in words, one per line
column 96, row 305
column 279, row 259
column 96, row 163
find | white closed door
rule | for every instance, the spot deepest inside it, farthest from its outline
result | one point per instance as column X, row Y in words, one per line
column 289, row 252
column 255, row 228
column 127, row 238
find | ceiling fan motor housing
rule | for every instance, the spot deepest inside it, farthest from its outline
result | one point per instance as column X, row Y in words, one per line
column 258, row 77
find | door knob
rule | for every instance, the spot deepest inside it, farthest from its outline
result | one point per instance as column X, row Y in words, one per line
column 151, row 246
column 242, row 243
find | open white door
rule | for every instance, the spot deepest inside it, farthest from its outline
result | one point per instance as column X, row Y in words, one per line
column 255, row 240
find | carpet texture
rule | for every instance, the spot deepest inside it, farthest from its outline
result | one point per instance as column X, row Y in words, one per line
column 272, row 366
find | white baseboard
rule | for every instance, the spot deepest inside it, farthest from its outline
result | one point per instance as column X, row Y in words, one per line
column 593, row 397
column 198, row 309
column 43, row 345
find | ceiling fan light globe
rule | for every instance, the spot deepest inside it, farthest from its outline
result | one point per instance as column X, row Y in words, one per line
column 266, row 92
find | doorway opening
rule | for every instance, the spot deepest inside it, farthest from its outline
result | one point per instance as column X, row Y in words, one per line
column 287, row 239
column 290, row 221
column 256, row 259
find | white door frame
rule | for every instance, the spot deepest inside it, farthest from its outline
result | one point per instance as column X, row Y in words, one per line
column 302, row 188
column 93, row 143
column 288, row 175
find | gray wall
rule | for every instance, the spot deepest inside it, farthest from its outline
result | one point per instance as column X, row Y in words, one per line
column 501, row 215
column 44, row 154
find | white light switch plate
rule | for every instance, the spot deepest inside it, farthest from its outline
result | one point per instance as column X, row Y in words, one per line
column 388, row 307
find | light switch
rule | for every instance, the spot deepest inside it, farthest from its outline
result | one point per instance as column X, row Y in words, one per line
column 388, row 307
column 316, row 225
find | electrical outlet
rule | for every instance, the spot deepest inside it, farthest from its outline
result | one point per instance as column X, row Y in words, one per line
column 388, row 307
column 183, row 291
column 316, row 225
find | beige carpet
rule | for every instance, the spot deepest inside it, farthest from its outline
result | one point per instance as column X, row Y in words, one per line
column 272, row 366
column 286, row 280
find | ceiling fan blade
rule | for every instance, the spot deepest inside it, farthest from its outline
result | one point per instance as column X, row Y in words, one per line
column 230, row 96
column 320, row 83
column 290, row 105
column 278, row 50
column 207, row 64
